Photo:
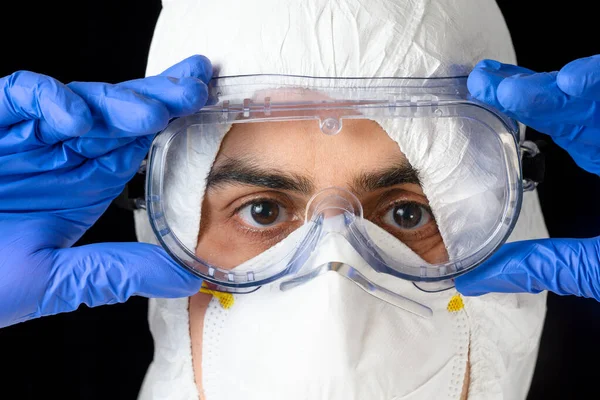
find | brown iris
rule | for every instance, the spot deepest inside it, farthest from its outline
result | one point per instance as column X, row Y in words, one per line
column 264, row 212
column 408, row 216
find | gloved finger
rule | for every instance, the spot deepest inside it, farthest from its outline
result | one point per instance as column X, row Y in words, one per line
column 69, row 154
column 181, row 96
column 105, row 178
column 102, row 179
column 563, row 266
column 581, row 78
column 538, row 96
column 26, row 96
column 196, row 66
column 109, row 273
column 23, row 143
column 582, row 143
column 182, row 87
column 68, row 115
column 26, row 137
column 487, row 75
column 121, row 112
column 42, row 159
column 93, row 147
column 121, row 164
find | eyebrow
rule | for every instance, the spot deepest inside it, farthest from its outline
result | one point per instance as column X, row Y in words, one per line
column 398, row 174
column 248, row 172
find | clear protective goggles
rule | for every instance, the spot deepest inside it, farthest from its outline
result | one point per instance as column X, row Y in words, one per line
column 445, row 205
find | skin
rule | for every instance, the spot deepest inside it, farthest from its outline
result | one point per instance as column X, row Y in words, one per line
column 356, row 159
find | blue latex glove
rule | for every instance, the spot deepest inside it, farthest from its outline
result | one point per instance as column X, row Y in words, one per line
column 66, row 151
column 566, row 106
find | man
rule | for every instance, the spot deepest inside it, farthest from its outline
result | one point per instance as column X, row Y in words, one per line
column 59, row 279
column 244, row 198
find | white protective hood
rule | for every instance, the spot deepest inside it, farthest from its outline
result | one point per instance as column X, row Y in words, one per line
column 369, row 38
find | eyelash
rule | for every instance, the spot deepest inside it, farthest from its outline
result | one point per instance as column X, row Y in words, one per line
column 252, row 201
column 278, row 232
column 266, row 233
column 419, row 233
column 408, row 202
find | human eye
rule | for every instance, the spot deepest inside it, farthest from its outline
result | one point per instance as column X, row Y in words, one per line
column 237, row 226
column 407, row 216
column 262, row 213
column 412, row 222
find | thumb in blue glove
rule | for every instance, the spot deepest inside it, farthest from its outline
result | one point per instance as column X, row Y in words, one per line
column 65, row 153
column 562, row 266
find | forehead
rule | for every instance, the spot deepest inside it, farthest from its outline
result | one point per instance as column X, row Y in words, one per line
column 361, row 144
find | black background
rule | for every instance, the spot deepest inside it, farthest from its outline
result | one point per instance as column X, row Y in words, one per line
column 103, row 353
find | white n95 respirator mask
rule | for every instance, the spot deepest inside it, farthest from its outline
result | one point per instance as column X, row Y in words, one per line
column 328, row 339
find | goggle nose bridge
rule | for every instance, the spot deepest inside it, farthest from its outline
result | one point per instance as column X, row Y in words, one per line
column 332, row 202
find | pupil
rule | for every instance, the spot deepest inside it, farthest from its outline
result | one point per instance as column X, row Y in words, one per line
column 408, row 215
column 265, row 213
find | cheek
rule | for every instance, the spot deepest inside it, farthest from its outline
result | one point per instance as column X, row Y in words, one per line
column 215, row 243
column 432, row 250
column 215, row 247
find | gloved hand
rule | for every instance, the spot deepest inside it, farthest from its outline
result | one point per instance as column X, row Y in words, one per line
column 566, row 106
column 65, row 153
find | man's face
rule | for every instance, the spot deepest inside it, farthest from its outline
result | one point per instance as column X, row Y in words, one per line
column 265, row 174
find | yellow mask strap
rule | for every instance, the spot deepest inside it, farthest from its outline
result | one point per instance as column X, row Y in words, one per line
column 455, row 304
column 225, row 299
